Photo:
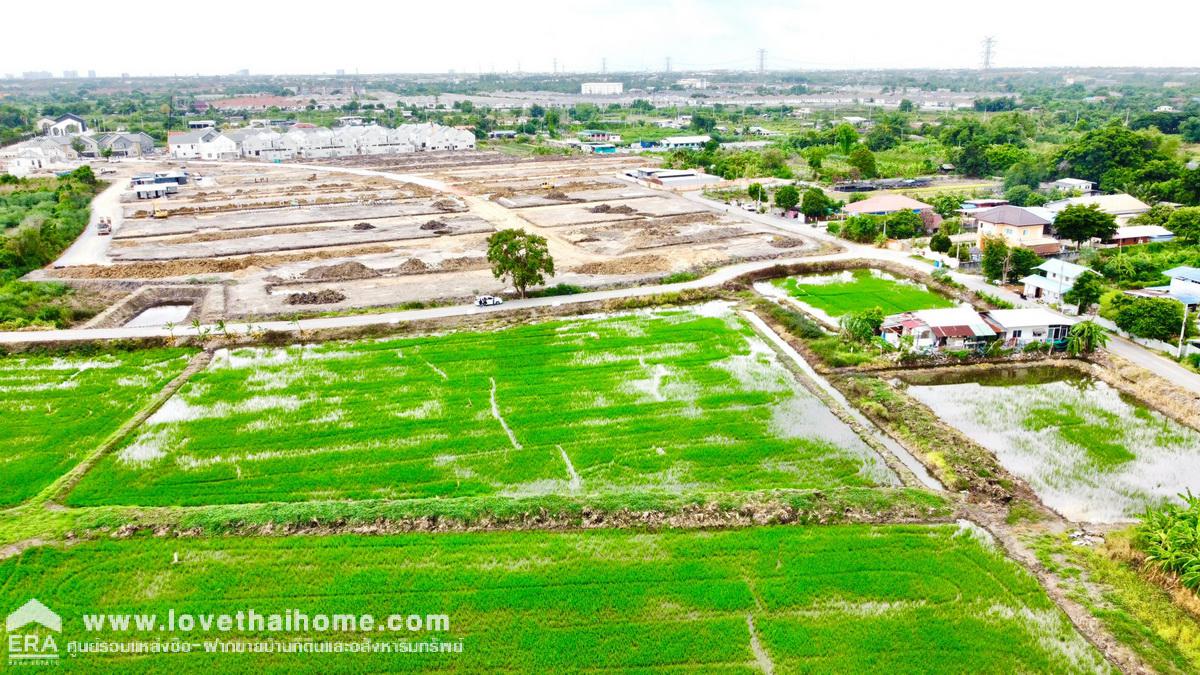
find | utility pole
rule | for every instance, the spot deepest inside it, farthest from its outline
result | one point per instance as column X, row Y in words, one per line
column 1183, row 331
column 989, row 44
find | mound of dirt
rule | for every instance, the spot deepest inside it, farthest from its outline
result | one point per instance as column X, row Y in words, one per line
column 639, row 264
column 447, row 205
column 609, row 208
column 463, row 263
column 434, row 225
column 413, row 266
column 786, row 242
column 341, row 272
column 559, row 195
column 325, row 297
column 362, row 226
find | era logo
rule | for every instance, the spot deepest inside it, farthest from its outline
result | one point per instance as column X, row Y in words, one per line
column 29, row 646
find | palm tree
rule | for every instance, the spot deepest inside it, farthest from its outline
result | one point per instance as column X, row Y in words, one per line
column 1086, row 337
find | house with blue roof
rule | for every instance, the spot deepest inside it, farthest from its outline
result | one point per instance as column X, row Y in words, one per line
column 1184, row 287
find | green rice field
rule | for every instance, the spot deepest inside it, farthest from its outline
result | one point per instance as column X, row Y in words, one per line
column 676, row 401
column 861, row 289
column 55, row 410
column 1090, row 453
column 909, row 598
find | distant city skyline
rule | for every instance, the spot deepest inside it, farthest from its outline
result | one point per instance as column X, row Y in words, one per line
column 540, row 36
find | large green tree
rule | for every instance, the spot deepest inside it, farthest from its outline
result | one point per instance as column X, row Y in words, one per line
column 1102, row 150
column 1154, row 318
column 1185, row 223
column 816, row 204
column 520, row 257
column 787, row 196
column 1086, row 291
column 1082, row 222
column 863, row 159
column 845, row 136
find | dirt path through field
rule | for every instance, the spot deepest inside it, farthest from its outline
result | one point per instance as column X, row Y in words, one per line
column 496, row 413
column 576, row 482
column 761, row 657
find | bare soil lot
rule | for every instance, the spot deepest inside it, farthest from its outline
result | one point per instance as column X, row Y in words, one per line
column 416, row 232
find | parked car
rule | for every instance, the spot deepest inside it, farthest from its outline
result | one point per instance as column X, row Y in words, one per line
column 487, row 301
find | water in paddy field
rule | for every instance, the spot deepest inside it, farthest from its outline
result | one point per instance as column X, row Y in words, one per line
column 159, row 316
column 1090, row 453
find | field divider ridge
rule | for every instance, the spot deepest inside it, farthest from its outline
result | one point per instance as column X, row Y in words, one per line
column 65, row 483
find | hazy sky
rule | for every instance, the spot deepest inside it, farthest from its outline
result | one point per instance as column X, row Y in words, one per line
column 219, row 36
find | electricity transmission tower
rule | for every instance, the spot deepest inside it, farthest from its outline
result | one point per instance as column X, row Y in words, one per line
column 989, row 46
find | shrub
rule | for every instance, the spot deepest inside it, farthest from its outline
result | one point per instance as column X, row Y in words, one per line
column 1170, row 538
column 679, row 277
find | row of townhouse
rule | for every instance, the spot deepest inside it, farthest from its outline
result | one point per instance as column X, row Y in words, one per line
column 312, row 142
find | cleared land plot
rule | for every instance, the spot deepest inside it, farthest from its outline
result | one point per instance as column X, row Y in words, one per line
column 305, row 215
column 857, row 290
column 679, row 401
column 604, row 194
column 827, row 599
column 57, row 409
column 342, row 235
column 1089, row 453
column 581, row 213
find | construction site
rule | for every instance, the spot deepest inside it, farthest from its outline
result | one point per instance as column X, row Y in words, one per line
column 245, row 241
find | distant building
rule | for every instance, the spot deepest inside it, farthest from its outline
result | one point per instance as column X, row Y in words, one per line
column 1184, row 287
column 201, row 124
column 672, row 178
column 684, row 142
column 1119, row 204
column 263, row 102
column 1026, row 227
column 693, row 83
column 70, row 74
column 880, row 205
column 63, row 125
column 598, row 136
column 207, row 143
column 1056, row 278
column 92, row 74
column 602, row 88
column 1083, row 187
column 1131, row 235
column 932, row 329
column 1019, row 327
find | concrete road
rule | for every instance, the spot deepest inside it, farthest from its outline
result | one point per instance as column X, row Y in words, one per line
column 91, row 248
